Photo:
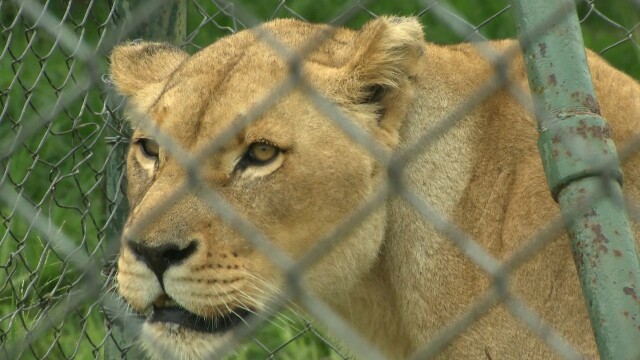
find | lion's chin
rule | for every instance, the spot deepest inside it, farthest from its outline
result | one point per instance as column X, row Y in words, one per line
column 173, row 332
column 176, row 315
column 169, row 340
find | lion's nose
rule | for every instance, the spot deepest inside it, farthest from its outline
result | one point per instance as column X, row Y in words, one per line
column 160, row 258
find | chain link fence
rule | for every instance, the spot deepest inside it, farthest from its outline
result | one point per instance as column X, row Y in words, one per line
column 63, row 141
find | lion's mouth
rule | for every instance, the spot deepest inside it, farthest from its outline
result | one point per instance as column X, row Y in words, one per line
column 178, row 315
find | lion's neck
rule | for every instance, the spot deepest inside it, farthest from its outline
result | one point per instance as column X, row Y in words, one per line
column 410, row 275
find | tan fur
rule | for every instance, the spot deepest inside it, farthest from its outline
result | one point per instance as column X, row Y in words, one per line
column 395, row 278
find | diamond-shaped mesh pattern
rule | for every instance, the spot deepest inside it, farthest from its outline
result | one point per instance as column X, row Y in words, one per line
column 62, row 146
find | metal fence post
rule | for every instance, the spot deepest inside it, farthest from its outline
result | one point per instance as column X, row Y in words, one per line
column 169, row 24
column 583, row 172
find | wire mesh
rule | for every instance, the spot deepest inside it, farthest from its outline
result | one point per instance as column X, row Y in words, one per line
column 62, row 134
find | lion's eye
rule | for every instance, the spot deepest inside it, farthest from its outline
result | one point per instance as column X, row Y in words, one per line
column 261, row 153
column 149, row 148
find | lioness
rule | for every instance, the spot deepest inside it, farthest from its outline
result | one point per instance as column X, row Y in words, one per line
column 295, row 175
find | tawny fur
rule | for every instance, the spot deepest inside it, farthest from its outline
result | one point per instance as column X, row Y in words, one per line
column 395, row 278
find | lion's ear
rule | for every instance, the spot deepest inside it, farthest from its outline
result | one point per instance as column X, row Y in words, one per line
column 134, row 66
column 387, row 50
column 388, row 55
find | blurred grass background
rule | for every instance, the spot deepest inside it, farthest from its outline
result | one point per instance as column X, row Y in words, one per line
column 60, row 168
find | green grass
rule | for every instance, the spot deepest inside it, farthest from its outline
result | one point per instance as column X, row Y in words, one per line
column 290, row 339
column 60, row 168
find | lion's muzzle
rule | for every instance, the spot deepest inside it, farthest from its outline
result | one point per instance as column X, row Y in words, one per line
column 160, row 258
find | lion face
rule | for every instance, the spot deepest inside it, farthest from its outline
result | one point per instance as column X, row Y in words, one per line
column 289, row 171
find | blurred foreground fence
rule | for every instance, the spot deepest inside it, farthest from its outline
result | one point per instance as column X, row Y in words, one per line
column 62, row 141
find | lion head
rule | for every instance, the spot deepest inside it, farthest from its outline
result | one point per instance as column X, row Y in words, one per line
column 244, row 132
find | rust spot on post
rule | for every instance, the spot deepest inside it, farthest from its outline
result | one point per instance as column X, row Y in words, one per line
column 552, row 80
column 600, row 241
column 543, row 48
column 631, row 292
column 591, row 104
column 600, row 132
column 582, row 129
column 586, row 100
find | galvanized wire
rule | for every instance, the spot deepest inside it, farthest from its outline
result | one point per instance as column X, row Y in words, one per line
column 60, row 125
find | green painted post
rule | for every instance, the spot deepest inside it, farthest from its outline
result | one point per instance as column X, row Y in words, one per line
column 583, row 172
column 167, row 23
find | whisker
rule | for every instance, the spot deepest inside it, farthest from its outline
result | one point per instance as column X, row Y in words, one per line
column 293, row 307
column 244, row 296
column 263, row 316
column 280, row 315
